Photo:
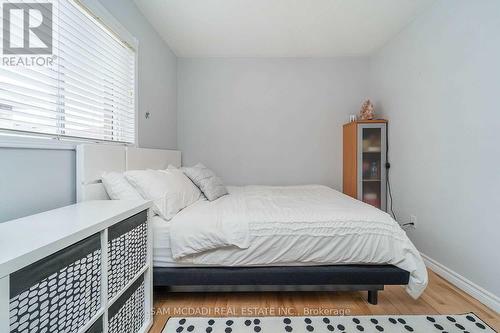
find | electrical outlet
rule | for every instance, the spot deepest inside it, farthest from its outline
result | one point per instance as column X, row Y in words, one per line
column 413, row 219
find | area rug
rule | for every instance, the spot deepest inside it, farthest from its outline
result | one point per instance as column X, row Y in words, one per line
column 462, row 323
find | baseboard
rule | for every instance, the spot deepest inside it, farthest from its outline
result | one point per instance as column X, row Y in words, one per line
column 490, row 300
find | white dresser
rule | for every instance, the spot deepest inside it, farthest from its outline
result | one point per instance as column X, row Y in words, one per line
column 81, row 268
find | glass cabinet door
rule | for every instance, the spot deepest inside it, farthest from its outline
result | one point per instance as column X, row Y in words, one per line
column 371, row 164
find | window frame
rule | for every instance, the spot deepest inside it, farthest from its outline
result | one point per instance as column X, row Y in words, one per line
column 48, row 141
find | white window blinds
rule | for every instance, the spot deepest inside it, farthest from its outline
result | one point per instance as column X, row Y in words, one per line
column 88, row 92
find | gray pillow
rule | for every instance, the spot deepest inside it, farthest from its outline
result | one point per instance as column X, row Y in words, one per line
column 211, row 185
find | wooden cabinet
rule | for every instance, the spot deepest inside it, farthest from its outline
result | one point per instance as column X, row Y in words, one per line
column 364, row 158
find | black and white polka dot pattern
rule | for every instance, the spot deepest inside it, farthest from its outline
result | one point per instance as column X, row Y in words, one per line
column 63, row 302
column 131, row 315
column 466, row 323
column 127, row 255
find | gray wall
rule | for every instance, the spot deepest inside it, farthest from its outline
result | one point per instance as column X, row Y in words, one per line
column 438, row 83
column 37, row 180
column 157, row 77
column 268, row 121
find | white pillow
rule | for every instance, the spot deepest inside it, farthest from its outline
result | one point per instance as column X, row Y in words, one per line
column 170, row 190
column 211, row 185
column 118, row 187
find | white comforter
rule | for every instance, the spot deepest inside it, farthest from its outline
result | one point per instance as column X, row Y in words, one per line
column 312, row 224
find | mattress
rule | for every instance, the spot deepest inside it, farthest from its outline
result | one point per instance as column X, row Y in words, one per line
column 162, row 253
column 285, row 226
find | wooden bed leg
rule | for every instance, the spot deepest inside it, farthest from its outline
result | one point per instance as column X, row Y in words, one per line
column 373, row 297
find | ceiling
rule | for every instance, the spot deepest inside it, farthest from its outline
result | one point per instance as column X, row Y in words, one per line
column 279, row 28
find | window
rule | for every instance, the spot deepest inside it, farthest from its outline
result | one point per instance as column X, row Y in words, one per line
column 88, row 92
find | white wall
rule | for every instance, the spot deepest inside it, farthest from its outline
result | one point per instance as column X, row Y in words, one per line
column 33, row 180
column 438, row 83
column 268, row 121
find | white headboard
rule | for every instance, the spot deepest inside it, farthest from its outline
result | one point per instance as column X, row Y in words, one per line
column 94, row 159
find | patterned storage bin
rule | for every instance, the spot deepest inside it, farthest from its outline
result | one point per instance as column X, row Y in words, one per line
column 59, row 293
column 96, row 327
column 127, row 313
column 127, row 248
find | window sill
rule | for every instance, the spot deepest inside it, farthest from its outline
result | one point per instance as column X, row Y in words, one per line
column 49, row 143
column 36, row 143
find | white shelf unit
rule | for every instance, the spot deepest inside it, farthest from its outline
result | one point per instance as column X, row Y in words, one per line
column 84, row 268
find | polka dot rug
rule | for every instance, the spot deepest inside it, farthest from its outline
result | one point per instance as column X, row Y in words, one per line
column 349, row 324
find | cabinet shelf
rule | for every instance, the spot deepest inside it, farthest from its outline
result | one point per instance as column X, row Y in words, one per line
column 364, row 155
column 106, row 249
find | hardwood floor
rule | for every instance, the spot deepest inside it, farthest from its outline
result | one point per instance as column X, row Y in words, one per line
column 440, row 297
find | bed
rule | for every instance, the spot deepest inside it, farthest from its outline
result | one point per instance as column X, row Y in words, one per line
column 265, row 238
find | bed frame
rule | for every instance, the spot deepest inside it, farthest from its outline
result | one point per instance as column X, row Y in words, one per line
column 94, row 159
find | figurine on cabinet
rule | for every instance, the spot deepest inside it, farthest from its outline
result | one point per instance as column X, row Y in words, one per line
column 367, row 111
